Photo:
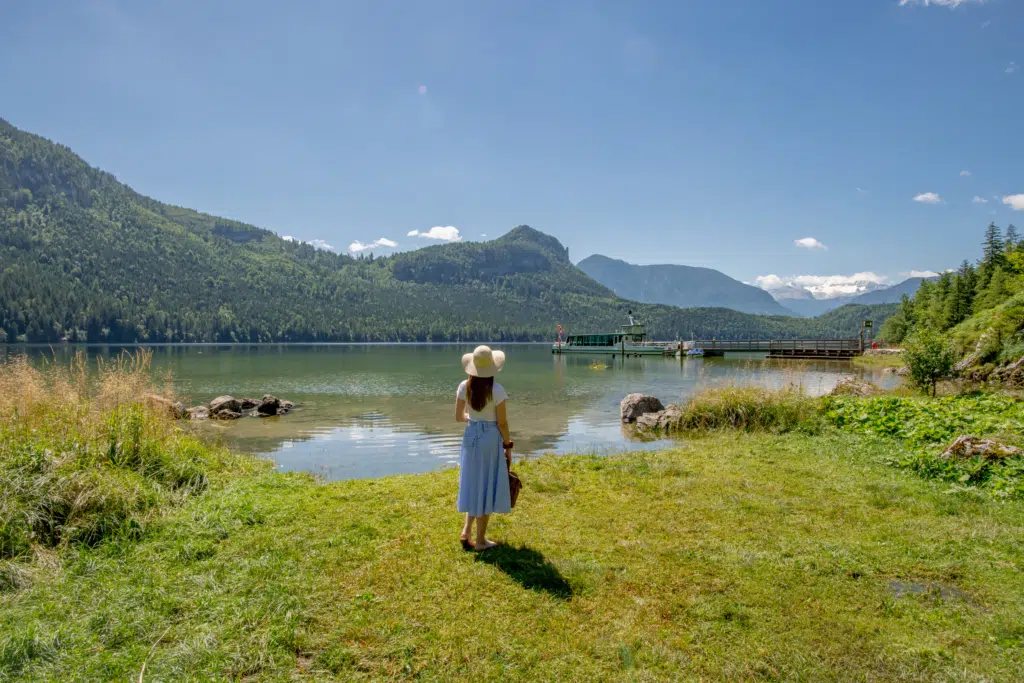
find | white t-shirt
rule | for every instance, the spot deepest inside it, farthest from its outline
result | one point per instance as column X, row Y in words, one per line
column 488, row 414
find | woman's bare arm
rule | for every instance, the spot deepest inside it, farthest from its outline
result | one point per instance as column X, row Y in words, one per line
column 460, row 410
column 503, row 422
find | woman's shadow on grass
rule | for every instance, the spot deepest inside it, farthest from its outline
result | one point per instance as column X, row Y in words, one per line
column 528, row 568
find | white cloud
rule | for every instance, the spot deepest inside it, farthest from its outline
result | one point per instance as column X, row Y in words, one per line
column 358, row 246
column 770, row 282
column 928, row 198
column 920, row 273
column 809, row 243
column 939, row 3
column 821, row 286
column 861, row 190
column 1011, row 68
column 964, row 174
column 979, row 200
column 445, row 233
column 1014, row 201
column 316, row 244
column 483, row 234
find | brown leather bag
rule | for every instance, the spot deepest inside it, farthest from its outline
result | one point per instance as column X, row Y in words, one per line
column 514, row 482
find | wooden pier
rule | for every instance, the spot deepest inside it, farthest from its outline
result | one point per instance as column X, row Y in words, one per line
column 834, row 349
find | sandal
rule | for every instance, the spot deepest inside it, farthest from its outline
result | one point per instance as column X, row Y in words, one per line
column 466, row 543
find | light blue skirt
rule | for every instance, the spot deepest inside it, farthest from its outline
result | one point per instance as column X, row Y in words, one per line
column 483, row 473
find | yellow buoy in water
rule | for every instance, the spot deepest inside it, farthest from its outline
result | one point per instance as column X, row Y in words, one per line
column 598, row 365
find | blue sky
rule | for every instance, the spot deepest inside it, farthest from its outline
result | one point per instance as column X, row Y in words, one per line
column 695, row 132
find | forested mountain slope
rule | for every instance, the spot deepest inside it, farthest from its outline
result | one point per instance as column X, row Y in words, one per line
column 676, row 285
column 85, row 258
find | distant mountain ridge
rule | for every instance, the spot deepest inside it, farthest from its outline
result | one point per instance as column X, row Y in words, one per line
column 678, row 285
column 810, row 307
column 84, row 258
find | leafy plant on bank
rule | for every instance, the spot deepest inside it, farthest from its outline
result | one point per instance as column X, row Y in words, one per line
column 931, row 424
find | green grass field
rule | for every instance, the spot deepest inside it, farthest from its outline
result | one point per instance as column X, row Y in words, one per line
column 733, row 557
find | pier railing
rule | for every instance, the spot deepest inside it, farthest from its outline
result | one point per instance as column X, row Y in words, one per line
column 781, row 348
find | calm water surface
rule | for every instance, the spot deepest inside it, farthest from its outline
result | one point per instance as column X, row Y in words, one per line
column 374, row 410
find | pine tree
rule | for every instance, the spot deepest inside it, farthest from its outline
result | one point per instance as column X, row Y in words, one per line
column 993, row 254
column 966, row 278
column 995, row 292
column 1011, row 241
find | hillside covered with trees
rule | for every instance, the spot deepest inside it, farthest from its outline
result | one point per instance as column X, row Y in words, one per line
column 85, row 258
column 979, row 307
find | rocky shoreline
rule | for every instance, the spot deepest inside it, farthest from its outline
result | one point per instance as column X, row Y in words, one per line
column 224, row 407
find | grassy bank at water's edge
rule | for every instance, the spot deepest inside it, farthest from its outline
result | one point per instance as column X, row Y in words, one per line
column 735, row 556
column 133, row 550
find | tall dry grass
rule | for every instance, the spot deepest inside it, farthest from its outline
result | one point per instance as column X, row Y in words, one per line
column 31, row 392
column 85, row 456
column 750, row 408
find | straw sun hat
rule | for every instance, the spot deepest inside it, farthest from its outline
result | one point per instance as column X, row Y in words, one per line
column 483, row 362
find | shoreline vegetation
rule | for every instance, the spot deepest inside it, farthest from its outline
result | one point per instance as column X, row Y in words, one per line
column 784, row 537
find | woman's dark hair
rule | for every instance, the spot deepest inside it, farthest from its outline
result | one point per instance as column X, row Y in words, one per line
column 478, row 391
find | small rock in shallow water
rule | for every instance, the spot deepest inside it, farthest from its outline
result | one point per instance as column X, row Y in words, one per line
column 852, row 386
column 663, row 420
column 225, row 403
column 173, row 409
column 635, row 405
column 270, row 405
column 249, row 403
column 198, row 413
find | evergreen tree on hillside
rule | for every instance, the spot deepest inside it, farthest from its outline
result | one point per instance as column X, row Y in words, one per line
column 1011, row 240
column 993, row 254
column 961, row 301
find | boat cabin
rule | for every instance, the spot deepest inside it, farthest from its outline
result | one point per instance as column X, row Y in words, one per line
column 628, row 334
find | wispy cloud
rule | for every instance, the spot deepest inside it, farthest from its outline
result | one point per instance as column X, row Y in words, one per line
column 483, row 234
column 809, row 243
column 964, row 174
column 316, row 244
column 920, row 273
column 928, row 198
column 940, row 3
column 1011, row 68
column 1014, row 201
column 358, row 246
column 985, row 23
column 979, row 200
column 444, row 233
column 861, row 190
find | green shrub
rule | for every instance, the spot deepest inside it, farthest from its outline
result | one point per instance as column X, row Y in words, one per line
column 929, row 357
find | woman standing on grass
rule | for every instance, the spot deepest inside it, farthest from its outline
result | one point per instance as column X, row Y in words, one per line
column 483, row 470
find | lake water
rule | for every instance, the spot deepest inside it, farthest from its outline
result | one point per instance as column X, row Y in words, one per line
column 373, row 410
